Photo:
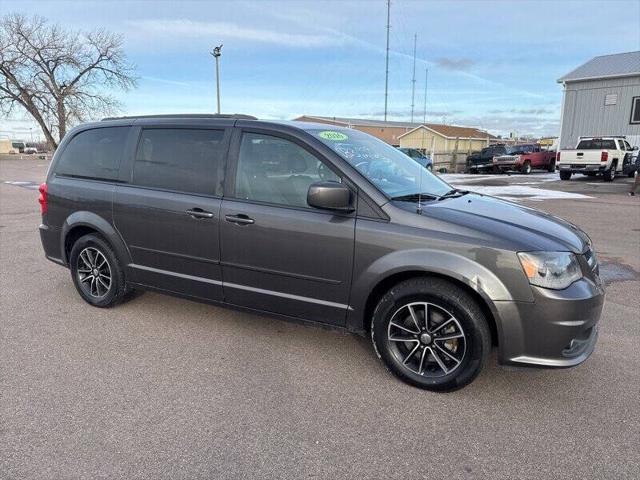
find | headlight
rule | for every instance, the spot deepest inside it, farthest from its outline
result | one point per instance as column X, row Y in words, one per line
column 556, row 270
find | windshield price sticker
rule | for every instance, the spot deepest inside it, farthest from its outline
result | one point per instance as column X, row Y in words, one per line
column 336, row 136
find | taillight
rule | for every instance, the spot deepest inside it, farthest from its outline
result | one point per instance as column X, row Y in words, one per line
column 558, row 157
column 604, row 156
column 43, row 198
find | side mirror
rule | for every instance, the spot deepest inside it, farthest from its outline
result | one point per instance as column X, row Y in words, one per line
column 329, row 196
column 635, row 147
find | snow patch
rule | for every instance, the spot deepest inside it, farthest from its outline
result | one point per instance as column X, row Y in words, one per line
column 521, row 192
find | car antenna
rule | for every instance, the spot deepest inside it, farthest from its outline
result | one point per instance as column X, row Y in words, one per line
column 419, row 209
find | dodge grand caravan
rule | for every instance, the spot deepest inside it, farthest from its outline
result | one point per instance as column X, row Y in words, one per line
column 324, row 224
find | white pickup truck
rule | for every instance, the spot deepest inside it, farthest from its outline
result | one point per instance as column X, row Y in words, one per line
column 593, row 155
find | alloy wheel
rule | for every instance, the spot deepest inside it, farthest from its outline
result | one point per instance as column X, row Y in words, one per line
column 94, row 272
column 426, row 339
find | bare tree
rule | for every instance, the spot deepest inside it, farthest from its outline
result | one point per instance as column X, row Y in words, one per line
column 59, row 77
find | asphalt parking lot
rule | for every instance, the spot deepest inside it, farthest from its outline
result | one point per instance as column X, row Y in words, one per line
column 166, row 388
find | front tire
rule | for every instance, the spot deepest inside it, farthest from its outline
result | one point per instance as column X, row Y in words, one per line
column 526, row 168
column 431, row 334
column 96, row 272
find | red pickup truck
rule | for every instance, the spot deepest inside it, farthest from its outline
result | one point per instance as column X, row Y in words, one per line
column 525, row 158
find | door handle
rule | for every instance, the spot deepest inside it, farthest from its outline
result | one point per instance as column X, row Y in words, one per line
column 240, row 219
column 199, row 213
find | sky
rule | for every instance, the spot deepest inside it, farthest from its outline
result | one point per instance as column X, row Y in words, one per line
column 491, row 65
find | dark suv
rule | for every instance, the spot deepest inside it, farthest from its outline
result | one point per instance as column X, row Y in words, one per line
column 483, row 160
column 314, row 222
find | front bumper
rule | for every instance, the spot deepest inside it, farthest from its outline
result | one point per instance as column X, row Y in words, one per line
column 479, row 167
column 558, row 329
column 507, row 165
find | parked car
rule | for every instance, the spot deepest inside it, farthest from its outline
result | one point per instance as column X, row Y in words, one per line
column 30, row 150
column 483, row 160
column 18, row 145
column 631, row 162
column 325, row 224
column 525, row 158
column 418, row 156
column 596, row 155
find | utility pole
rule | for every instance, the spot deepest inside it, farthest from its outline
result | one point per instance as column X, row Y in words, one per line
column 386, row 75
column 216, row 54
column 424, row 111
column 413, row 80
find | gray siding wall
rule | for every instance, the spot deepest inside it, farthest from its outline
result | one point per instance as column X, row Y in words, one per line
column 586, row 114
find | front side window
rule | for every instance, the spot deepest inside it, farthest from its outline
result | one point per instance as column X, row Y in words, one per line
column 393, row 172
column 180, row 159
column 275, row 170
column 94, row 153
column 635, row 110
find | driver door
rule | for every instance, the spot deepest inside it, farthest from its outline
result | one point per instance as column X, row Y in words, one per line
column 279, row 254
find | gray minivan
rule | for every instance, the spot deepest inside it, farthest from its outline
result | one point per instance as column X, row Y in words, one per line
column 318, row 223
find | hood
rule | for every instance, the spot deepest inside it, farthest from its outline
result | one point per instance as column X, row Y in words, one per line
column 527, row 228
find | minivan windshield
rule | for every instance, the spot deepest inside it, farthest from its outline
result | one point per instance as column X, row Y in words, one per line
column 393, row 172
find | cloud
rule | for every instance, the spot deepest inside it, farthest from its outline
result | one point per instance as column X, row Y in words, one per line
column 406, row 114
column 459, row 64
column 221, row 31
column 164, row 80
column 524, row 111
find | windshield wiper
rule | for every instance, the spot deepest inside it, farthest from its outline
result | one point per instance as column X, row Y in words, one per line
column 453, row 193
column 415, row 197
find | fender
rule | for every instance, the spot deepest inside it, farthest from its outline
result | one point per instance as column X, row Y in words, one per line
column 474, row 275
column 102, row 226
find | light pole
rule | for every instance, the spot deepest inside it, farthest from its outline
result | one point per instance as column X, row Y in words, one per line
column 216, row 54
column 386, row 70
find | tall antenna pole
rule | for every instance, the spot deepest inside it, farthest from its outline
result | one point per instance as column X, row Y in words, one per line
column 386, row 75
column 413, row 81
column 424, row 110
column 216, row 54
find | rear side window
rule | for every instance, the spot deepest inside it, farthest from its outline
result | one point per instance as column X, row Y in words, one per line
column 184, row 160
column 94, row 153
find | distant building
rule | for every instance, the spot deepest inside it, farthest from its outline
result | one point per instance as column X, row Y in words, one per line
column 602, row 97
column 429, row 137
column 6, row 146
column 438, row 138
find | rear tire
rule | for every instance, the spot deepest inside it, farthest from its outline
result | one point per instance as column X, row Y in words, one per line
column 610, row 174
column 444, row 353
column 96, row 272
column 564, row 175
column 552, row 167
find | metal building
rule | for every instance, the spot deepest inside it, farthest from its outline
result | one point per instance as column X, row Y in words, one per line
column 602, row 97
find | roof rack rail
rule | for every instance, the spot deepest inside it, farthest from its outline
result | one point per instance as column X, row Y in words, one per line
column 236, row 116
column 603, row 136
